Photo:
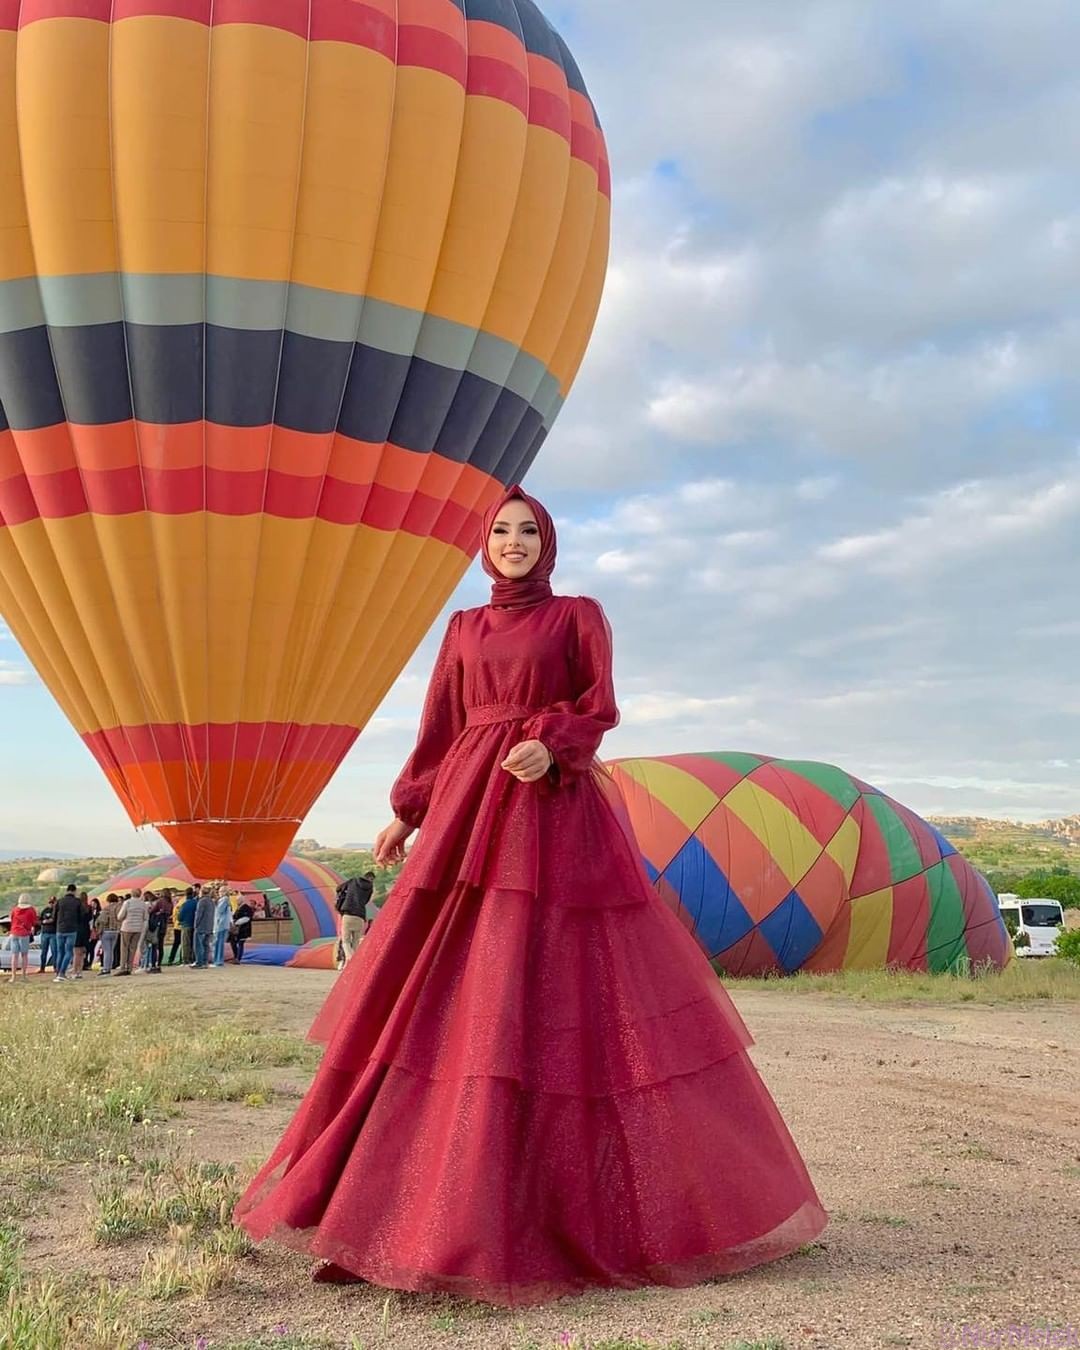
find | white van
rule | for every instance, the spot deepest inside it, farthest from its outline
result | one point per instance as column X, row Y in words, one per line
column 7, row 954
column 1041, row 920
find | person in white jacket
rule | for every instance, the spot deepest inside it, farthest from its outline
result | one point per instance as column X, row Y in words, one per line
column 222, row 924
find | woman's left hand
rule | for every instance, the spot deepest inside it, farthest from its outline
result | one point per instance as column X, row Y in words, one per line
column 529, row 761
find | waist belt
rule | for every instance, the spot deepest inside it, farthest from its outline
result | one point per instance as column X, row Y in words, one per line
column 490, row 713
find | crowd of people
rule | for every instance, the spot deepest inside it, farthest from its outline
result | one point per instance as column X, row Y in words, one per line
column 139, row 931
column 128, row 934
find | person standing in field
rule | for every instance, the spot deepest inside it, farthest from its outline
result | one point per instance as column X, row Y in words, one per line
column 223, row 916
column 158, row 925
column 24, row 919
column 109, row 932
column 47, row 919
column 534, row 1083
column 67, row 929
column 204, row 928
column 241, row 928
column 352, row 901
column 82, row 937
column 177, row 935
column 95, row 932
column 133, row 918
column 185, row 917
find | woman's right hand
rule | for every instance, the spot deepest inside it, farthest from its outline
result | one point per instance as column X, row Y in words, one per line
column 390, row 843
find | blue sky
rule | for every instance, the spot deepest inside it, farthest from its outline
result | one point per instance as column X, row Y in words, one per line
column 821, row 466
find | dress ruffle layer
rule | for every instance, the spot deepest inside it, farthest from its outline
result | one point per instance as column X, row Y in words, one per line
column 476, row 1187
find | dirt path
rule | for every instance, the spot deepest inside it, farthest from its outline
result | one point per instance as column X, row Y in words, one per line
column 944, row 1141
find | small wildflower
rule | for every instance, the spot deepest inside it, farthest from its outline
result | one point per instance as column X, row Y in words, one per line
column 281, row 1329
column 565, row 1338
column 202, row 1343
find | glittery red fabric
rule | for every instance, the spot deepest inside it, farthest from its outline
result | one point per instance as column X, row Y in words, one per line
column 533, row 1081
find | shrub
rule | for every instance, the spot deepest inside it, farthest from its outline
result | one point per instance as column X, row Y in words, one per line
column 1068, row 945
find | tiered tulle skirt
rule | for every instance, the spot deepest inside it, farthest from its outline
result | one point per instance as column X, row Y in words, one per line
column 529, row 1092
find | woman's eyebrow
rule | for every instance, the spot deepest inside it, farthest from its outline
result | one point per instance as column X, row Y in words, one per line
column 506, row 524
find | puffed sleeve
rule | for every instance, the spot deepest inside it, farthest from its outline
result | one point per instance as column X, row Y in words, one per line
column 572, row 731
column 442, row 722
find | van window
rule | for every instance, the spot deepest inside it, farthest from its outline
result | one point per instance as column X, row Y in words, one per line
column 1041, row 916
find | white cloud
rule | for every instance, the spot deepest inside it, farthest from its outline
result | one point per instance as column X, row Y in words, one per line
column 966, row 519
column 820, row 465
column 649, row 709
column 12, row 673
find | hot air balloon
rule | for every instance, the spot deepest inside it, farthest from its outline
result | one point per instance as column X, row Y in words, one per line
column 289, row 290
column 308, row 886
column 784, row 865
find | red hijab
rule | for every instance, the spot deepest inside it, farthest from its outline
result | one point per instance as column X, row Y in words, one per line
column 535, row 586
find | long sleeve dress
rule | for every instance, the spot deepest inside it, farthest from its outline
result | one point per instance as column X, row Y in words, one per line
column 533, row 1082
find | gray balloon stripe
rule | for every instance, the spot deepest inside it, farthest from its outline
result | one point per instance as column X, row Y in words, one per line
column 258, row 306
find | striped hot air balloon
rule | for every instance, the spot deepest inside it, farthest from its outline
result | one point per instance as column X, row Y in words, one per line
column 289, row 289
column 784, row 865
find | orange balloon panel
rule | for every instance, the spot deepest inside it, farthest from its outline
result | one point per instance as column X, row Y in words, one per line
column 290, row 290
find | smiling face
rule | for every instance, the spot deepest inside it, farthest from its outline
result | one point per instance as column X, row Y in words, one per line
column 514, row 543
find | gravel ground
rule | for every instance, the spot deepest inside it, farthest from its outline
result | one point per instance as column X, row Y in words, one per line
column 943, row 1140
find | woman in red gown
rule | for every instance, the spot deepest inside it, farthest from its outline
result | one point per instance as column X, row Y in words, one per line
column 534, row 1082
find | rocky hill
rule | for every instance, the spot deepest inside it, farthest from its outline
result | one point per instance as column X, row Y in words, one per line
column 1069, row 828
column 980, row 827
column 1014, row 847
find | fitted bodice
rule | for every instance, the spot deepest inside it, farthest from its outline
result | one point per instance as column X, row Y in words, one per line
column 522, row 658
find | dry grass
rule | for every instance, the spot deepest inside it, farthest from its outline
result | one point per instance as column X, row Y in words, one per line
column 102, row 1154
column 1045, row 979
column 113, row 1062
column 161, row 1194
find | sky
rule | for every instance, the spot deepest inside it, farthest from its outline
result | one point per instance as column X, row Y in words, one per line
column 822, row 464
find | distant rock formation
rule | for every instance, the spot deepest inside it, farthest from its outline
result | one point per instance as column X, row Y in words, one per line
column 53, row 876
column 1069, row 829
column 972, row 827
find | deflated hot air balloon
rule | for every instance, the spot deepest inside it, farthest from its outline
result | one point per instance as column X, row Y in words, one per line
column 289, row 289
column 308, row 886
column 784, row 865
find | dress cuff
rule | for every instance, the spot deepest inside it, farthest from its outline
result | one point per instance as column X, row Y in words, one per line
column 413, row 816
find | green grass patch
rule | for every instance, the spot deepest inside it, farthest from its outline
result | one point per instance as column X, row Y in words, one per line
column 979, row 1153
column 180, row 1270
column 935, row 1184
column 60, row 1315
column 131, row 1202
column 189, row 1203
column 92, row 1096
column 886, row 1220
column 634, row 1343
column 10, row 1254
column 1049, row 978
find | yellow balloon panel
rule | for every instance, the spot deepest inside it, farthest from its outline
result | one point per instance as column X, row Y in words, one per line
column 289, row 292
